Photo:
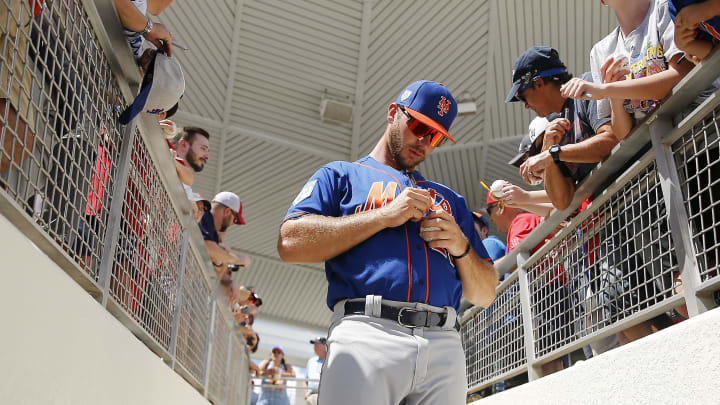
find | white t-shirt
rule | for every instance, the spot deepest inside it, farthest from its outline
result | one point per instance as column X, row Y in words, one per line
column 135, row 40
column 649, row 49
column 314, row 366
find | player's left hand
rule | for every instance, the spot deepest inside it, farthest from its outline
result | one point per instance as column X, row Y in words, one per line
column 449, row 236
column 580, row 89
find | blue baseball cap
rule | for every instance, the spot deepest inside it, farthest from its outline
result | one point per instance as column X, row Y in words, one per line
column 480, row 217
column 430, row 103
column 538, row 61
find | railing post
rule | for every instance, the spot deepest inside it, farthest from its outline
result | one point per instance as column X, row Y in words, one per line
column 228, row 371
column 178, row 297
column 208, row 346
column 534, row 371
column 678, row 219
column 115, row 216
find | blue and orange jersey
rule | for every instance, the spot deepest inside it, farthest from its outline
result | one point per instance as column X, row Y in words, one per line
column 395, row 262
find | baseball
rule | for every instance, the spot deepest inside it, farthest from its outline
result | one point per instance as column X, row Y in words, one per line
column 496, row 189
column 624, row 65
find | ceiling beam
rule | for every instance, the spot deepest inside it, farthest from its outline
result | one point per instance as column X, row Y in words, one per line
column 229, row 93
column 360, row 79
column 481, row 144
column 230, row 130
column 303, row 267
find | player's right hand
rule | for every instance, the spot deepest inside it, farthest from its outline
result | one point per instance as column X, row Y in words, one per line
column 410, row 205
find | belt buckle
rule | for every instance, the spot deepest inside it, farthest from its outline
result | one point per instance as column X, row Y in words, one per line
column 399, row 318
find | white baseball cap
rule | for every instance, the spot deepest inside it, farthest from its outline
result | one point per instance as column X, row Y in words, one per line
column 232, row 201
column 159, row 94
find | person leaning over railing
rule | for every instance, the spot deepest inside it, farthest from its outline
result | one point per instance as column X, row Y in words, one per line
column 191, row 151
column 225, row 211
column 644, row 39
column 136, row 25
column 574, row 140
column 518, row 224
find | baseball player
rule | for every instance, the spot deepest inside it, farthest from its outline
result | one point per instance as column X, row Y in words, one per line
column 399, row 252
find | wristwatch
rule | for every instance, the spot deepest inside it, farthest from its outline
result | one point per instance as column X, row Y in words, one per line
column 148, row 27
column 555, row 153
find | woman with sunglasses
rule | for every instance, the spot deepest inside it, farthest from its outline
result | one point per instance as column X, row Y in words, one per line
column 273, row 369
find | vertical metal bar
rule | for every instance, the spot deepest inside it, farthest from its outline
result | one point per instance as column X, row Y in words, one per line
column 112, row 232
column 533, row 370
column 208, row 346
column 678, row 219
column 178, row 297
column 228, row 372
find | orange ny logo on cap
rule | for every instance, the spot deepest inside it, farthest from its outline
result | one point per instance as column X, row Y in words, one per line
column 443, row 106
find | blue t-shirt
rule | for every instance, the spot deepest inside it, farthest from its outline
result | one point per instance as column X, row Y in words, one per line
column 494, row 246
column 207, row 227
column 395, row 262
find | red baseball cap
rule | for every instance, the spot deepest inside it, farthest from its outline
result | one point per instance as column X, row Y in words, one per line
column 490, row 198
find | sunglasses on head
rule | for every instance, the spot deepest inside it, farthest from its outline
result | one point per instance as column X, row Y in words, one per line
column 421, row 130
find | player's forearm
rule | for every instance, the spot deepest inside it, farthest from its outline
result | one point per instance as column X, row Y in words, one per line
column 317, row 238
column 592, row 150
column 478, row 278
column 559, row 188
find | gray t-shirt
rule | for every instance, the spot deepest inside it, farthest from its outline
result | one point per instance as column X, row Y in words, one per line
column 649, row 49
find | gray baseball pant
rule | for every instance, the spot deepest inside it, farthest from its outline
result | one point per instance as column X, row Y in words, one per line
column 377, row 361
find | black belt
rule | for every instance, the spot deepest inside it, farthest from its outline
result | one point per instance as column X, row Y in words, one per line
column 405, row 316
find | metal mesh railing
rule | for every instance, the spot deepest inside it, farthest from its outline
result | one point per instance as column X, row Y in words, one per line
column 237, row 377
column 619, row 261
column 493, row 338
column 218, row 361
column 89, row 192
column 59, row 136
column 145, row 268
column 194, row 318
column 697, row 158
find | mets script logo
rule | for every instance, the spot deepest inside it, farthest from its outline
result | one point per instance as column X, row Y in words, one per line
column 380, row 196
column 443, row 106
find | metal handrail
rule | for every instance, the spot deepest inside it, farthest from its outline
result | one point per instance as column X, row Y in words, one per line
column 612, row 182
column 120, row 266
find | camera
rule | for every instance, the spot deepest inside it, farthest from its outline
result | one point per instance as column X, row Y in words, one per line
column 254, row 298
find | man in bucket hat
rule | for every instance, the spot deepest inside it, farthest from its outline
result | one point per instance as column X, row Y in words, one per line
column 399, row 252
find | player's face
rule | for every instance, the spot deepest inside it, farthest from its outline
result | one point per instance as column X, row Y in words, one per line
column 198, row 153
column 407, row 149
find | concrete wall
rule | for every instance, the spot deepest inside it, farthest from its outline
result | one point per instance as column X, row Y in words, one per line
column 679, row 365
column 59, row 346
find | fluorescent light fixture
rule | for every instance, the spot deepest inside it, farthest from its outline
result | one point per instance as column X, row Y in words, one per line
column 336, row 109
column 466, row 104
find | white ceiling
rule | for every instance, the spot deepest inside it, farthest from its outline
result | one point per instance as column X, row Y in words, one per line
column 256, row 72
